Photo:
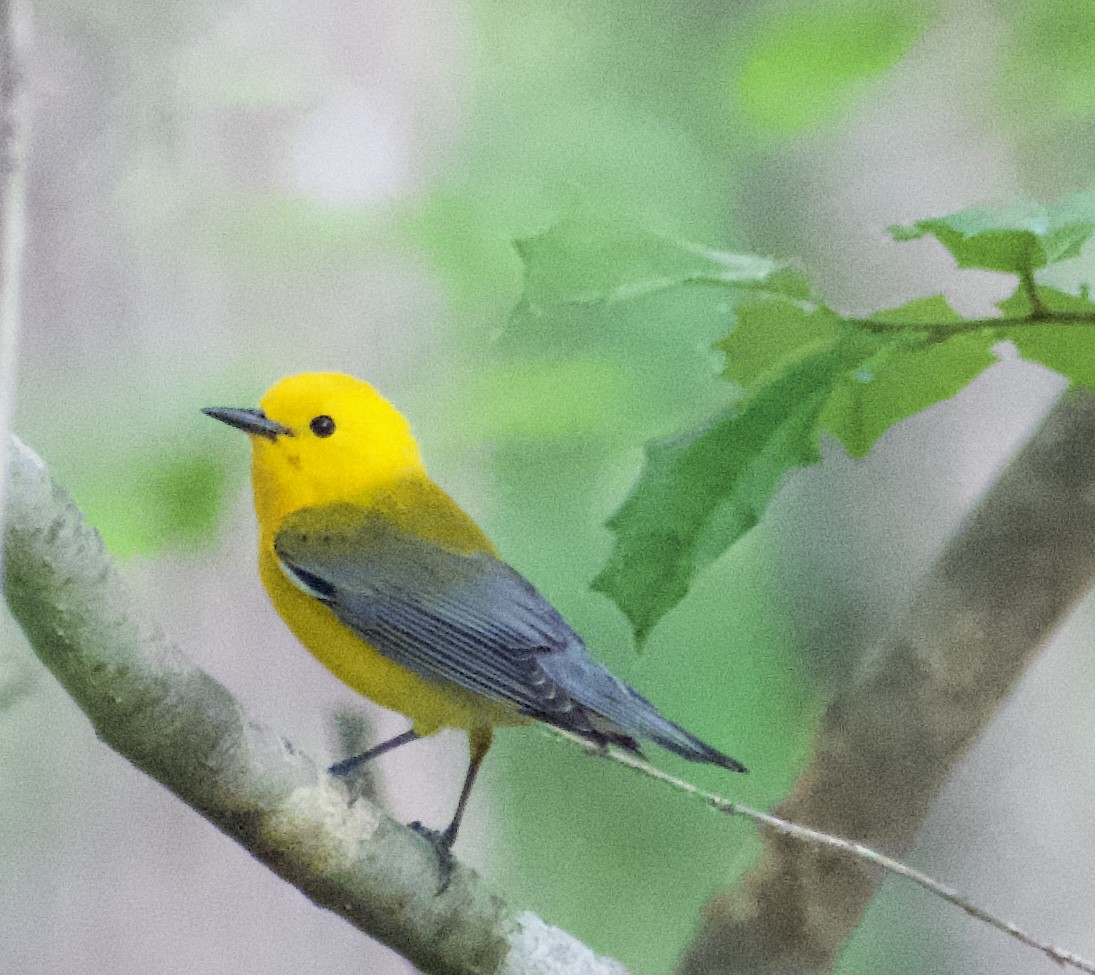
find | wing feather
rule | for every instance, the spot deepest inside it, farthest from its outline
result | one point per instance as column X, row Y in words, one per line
column 456, row 614
column 463, row 618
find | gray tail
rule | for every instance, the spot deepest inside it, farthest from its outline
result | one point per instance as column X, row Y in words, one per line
column 684, row 743
column 613, row 713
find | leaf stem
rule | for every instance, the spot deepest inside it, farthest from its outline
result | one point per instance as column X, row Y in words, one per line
column 1030, row 288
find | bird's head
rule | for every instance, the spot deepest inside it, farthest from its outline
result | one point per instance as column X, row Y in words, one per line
column 319, row 438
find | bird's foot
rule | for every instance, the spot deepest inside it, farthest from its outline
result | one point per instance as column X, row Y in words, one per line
column 357, row 781
column 441, row 841
column 345, row 767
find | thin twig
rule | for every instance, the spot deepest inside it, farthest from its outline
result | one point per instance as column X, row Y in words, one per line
column 1040, row 313
column 941, row 330
column 816, row 837
column 924, row 690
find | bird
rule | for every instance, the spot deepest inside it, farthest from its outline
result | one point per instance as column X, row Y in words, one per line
column 399, row 593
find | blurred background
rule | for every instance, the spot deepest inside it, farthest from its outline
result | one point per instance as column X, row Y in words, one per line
column 221, row 194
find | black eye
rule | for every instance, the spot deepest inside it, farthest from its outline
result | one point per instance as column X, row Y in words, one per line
column 322, row 426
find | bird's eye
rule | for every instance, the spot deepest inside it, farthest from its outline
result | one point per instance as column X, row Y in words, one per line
column 322, row 426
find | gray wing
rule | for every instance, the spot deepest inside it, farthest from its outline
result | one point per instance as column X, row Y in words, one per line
column 469, row 620
column 473, row 621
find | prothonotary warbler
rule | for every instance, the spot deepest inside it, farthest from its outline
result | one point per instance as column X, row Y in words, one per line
column 384, row 578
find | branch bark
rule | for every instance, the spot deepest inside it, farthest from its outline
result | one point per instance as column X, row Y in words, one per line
column 175, row 722
column 888, row 741
column 12, row 209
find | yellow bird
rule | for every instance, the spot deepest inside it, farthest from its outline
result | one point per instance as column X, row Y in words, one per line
column 392, row 587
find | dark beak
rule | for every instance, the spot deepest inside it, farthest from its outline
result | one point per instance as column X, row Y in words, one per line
column 254, row 422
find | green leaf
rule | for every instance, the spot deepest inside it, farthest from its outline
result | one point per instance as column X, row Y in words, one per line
column 770, row 333
column 1019, row 305
column 1017, row 239
column 934, row 310
column 809, row 64
column 1067, row 348
column 903, row 378
column 586, row 260
column 701, row 491
column 911, row 372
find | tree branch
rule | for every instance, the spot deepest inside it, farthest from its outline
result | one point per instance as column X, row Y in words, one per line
column 12, row 210
column 175, row 722
column 888, row 741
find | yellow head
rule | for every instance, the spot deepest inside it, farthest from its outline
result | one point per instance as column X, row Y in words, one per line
column 321, row 437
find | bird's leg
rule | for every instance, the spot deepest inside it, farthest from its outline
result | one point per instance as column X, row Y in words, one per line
column 479, row 744
column 348, row 765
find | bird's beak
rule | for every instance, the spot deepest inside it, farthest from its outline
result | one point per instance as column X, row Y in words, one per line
column 254, row 422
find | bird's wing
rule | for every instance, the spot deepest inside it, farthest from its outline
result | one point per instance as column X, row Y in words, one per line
column 467, row 619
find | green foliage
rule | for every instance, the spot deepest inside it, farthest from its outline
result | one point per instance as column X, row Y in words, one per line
column 186, row 490
column 1016, row 239
column 1067, row 347
column 554, row 398
column 800, row 369
column 771, row 334
column 587, row 369
column 1047, row 60
column 148, row 504
column 807, row 66
column 754, row 701
column 702, row 490
column 908, row 373
column 189, row 187
column 584, row 260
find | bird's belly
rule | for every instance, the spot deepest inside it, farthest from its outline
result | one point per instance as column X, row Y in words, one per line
column 430, row 706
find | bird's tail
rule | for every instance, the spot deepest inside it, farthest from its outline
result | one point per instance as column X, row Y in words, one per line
column 615, row 713
column 675, row 738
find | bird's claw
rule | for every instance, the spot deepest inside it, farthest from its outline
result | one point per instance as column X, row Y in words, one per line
column 442, row 844
column 355, row 781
